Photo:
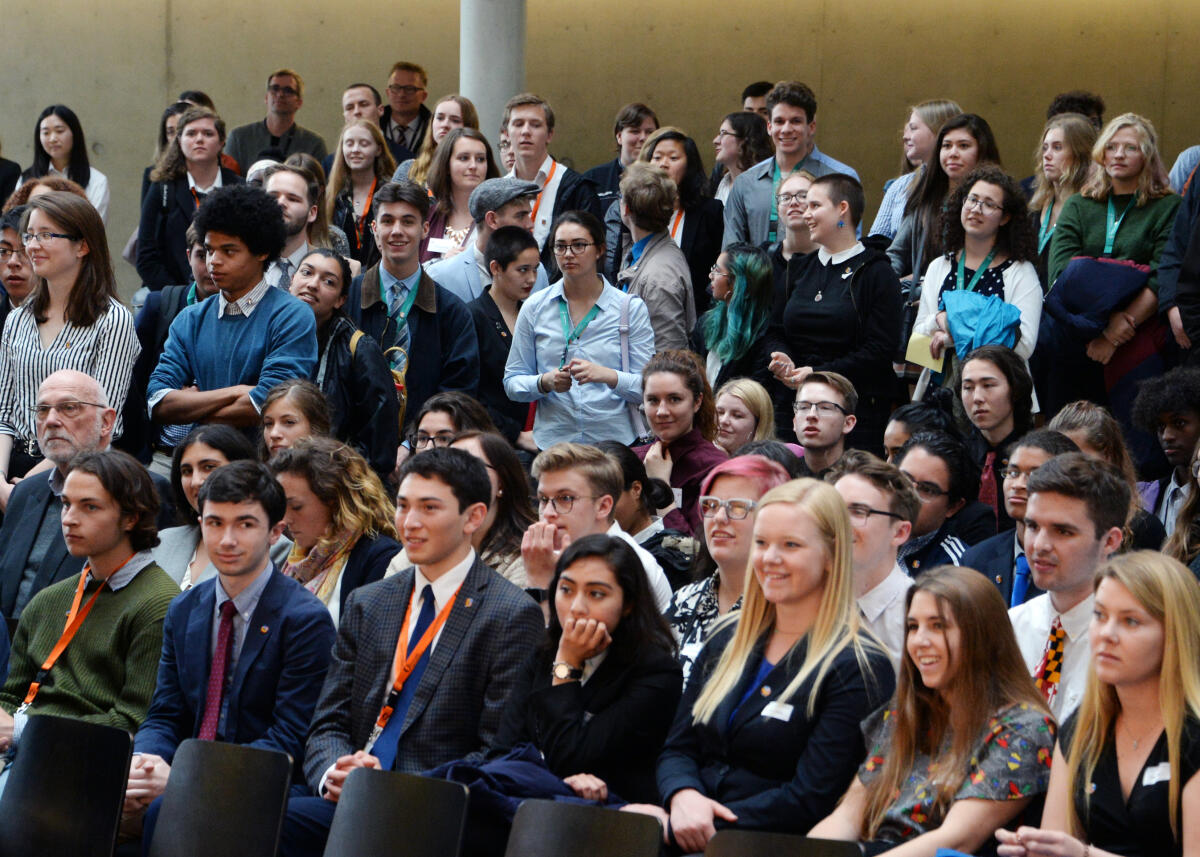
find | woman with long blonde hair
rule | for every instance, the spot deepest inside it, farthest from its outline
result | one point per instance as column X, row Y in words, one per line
column 1124, row 775
column 1063, row 162
column 767, row 732
column 362, row 164
column 451, row 111
column 965, row 744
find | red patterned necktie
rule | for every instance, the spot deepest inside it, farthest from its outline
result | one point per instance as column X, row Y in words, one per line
column 1049, row 671
column 987, row 484
column 216, row 676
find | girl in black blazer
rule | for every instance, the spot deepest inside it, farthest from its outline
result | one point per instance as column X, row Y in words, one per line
column 187, row 169
column 767, row 733
column 339, row 518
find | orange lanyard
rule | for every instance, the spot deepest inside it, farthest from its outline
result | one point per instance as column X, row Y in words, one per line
column 538, row 203
column 74, row 620
column 195, row 196
column 361, row 221
column 675, row 223
column 405, row 664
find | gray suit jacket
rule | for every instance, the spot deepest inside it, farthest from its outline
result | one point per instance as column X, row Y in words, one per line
column 491, row 631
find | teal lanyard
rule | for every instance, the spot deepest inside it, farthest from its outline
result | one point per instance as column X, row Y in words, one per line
column 978, row 275
column 571, row 335
column 407, row 306
column 191, row 295
column 1114, row 223
column 776, row 180
column 1047, row 230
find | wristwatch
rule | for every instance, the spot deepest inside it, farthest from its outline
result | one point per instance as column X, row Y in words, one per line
column 563, row 670
column 541, row 596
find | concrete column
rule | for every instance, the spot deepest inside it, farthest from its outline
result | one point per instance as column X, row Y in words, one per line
column 491, row 64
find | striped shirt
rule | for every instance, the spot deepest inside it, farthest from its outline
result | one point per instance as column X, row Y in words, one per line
column 105, row 351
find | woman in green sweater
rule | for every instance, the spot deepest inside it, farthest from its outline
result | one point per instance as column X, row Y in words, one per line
column 1124, row 211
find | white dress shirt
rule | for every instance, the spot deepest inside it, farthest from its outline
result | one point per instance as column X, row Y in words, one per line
column 882, row 610
column 1031, row 622
column 545, row 209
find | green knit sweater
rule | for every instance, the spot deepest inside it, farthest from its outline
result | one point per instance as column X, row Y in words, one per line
column 1141, row 238
column 108, row 672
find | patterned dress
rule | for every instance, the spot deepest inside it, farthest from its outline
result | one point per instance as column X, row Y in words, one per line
column 691, row 614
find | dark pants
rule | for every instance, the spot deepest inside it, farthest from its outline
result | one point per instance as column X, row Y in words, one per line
column 306, row 824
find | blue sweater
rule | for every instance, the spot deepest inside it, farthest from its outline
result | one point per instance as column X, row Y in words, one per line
column 276, row 343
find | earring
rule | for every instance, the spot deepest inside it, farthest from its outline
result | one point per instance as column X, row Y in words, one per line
column 841, row 223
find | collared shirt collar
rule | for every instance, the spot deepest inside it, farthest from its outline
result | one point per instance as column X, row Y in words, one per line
column 246, row 303
column 485, row 273
column 608, row 299
column 389, row 284
column 446, row 585
column 873, row 602
column 639, row 247
column 205, row 190
column 656, row 527
column 1076, row 620
column 56, row 480
column 591, row 665
column 121, row 578
column 828, row 258
column 246, row 600
column 1018, row 548
column 296, row 258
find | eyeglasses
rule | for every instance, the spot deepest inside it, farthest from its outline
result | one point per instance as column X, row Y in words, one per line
column 715, row 270
column 45, row 237
column 824, row 409
column 927, row 491
column 861, row 513
column 276, row 89
column 572, row 249
column 984, row 205
column 421, row 440
column 6, row 254
column 69, row 409
column 404, row 90
column 562, row 504
column 724, row 133
column 1015, row 473
column 735, row 509
column 789, row 198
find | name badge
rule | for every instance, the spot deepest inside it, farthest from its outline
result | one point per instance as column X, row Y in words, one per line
column 441, row 245
column 778, row 711
column 1160, row 773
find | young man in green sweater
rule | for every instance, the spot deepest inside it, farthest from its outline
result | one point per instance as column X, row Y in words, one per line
column 106, row 672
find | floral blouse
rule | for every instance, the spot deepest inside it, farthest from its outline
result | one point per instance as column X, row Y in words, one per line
column 691, row 614
column 1011, row 762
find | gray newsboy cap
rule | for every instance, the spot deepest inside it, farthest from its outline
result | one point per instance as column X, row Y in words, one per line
column 494, row 194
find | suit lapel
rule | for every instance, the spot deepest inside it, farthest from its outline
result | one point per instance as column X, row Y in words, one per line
column 263, row 625
column 466, row 606
column 197, row 636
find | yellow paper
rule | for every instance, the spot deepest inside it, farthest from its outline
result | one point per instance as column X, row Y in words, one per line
column 918, row 352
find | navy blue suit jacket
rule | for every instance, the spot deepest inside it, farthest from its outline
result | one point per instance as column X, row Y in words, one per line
column 275, row 683
column 993, row 558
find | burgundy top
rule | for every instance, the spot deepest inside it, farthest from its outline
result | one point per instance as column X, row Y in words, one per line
column 692, row 457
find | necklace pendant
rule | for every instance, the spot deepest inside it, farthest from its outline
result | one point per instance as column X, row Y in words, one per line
column 817, row 297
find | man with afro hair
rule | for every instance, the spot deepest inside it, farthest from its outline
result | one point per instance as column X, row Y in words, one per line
column 1169, row 408
column 225, row 353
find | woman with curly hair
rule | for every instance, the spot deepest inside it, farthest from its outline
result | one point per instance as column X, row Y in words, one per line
column 340, row 520
column 730, row 335
column 990, row 249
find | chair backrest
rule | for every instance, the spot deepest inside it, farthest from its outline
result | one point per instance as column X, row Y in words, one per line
column 222, row 800
column 754, row 843
column 378, row 808
column 547, row 828
column 65, row 789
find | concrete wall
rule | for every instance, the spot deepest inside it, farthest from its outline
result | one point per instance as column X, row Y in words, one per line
column 118, row 63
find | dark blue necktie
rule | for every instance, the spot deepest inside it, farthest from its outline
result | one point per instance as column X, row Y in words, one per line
column 1020, row 581
column 387, row 747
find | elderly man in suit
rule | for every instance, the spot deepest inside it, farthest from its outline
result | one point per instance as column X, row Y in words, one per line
column 425, row 659
column 73, row 416
column 260, row 686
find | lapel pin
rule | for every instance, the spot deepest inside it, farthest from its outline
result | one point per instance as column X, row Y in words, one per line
column 469, row 602
column 846, row 273
column 263, row 629
column 999, row 579
column 766, row 690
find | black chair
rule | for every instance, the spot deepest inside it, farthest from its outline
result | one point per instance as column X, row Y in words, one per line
column 378, row 807
column 222, row 800
column 65, row 789
column 754, row 843
column 547, row 828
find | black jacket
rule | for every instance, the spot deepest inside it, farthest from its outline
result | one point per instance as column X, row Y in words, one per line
column 994, row 559
column 703, row 229
column 167, row 212
column 399, row 151
column 443, row 350
column 607, row 181
column 495, row 340
column 575, row 193
column 361, row 394
column 752, row 364
column 1179, row 269
column 368, row 562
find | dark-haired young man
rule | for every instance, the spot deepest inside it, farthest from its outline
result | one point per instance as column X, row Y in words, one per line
column 417, row 323
column 222, row 357
column 754, row 98
column 16, row 274
column 940, row 470
column 469, row 632
column 1073, row 522
column 113, row 608
column 1168, row 407
column 1002, row 557
column 750, row 212
column 297, row 194
column 246, row 673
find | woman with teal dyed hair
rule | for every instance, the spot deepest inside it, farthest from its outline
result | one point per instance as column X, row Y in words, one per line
column 730, row 335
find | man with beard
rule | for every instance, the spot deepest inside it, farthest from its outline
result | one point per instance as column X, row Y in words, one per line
column 297, row 196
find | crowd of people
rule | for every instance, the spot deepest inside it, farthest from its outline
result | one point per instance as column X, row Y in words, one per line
column 675, row 492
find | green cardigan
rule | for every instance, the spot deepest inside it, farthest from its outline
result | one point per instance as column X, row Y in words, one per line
column 1141, row 238
column 108, row 672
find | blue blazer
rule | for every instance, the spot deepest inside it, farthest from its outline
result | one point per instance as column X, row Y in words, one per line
column 993, row 558
column 274, row 685
column 367, row 563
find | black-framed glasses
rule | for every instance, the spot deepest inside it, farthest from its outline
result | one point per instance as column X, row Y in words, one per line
column 44, row 237
column 736, row 509
column 800, row 196
column 396, row 89
column 824, row 409
column 860, row 513
column 6, row 254
column 561, row 248
column 926, row 491
column 69, row 409
column 420, row 440
column 276, row 89
column 726, row 133
column 984, row 205
column 563, row 503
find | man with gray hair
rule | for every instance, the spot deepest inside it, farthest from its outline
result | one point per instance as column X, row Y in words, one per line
column 72, row 415
column 505, row 201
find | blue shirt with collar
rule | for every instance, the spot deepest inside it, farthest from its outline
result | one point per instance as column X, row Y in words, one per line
column 245, row 603
column 396, row 289
column 638, row 248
